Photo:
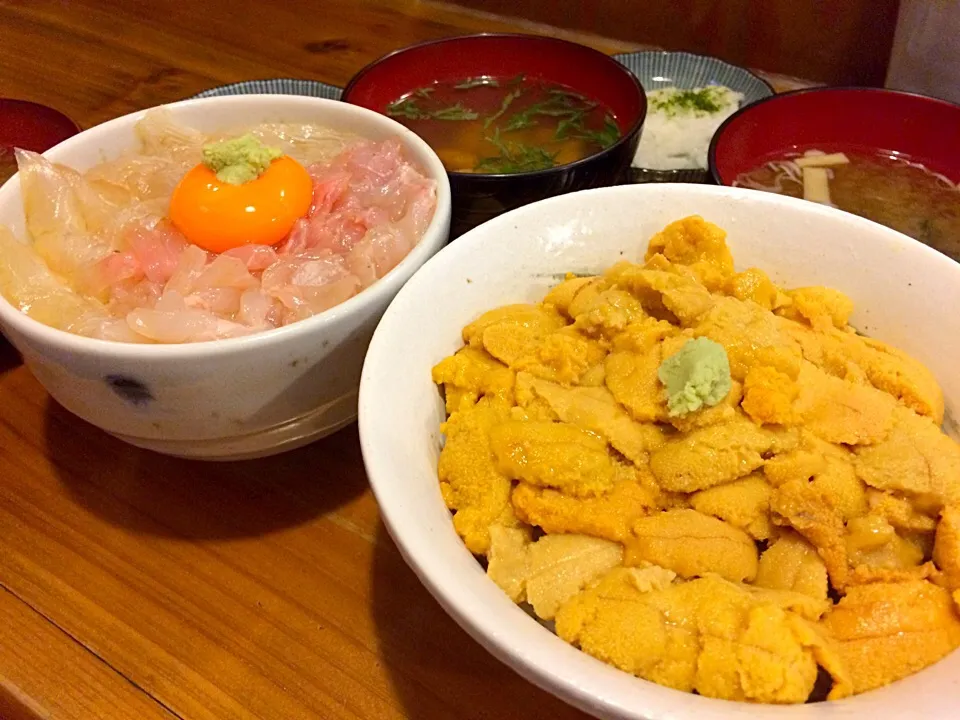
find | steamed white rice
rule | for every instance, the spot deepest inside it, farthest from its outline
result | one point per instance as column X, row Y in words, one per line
column 677, row 136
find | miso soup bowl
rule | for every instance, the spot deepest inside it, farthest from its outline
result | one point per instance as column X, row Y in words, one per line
column 913, row 127
column 226, row 399
column 477, row 197
column 905, row 293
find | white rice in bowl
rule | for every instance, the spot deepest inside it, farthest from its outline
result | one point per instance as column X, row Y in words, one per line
column 680, row 124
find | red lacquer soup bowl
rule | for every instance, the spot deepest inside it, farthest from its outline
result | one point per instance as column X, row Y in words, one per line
column 867, row 120
column 478, row 197
column 30, row 126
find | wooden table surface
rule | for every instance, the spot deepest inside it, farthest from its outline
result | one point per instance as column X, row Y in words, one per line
column 135, row 586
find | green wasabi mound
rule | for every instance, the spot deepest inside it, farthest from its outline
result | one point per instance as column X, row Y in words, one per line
column 240, row 160
column 697, row 376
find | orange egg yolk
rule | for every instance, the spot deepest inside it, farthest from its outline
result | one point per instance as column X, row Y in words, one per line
column 218, row 216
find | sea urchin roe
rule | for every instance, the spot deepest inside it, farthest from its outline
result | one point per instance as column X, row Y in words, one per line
column 635, row 531
column 697, row 375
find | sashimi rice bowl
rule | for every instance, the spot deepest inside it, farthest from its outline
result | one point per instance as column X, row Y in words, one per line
column 156, row 265
column 159, row 246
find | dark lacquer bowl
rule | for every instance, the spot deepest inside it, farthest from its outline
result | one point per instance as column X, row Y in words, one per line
column 479, row 197
column 30, row 126
column 922, row 129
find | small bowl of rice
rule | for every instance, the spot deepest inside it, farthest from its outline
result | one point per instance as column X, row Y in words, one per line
column 688, row 97
column 202, row 279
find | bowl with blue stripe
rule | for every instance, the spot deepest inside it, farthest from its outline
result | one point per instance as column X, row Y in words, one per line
column 275, row 86
column 657, row 70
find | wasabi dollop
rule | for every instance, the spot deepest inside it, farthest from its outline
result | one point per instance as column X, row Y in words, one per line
column 697, row 376
column 240, row 160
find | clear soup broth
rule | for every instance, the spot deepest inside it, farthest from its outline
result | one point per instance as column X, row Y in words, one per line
column 506, row 125
column 882, row 187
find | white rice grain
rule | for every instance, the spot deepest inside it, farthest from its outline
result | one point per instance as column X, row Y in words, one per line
column 677, row 138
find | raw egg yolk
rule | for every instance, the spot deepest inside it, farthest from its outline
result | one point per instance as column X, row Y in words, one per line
column 218, row 216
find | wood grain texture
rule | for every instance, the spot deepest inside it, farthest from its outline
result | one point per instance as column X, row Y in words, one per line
column 138, row 586
column 128, row 54
column 42, row 651
column 264, row 589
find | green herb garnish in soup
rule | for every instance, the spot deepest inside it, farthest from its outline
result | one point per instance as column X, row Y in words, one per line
column 506, row 125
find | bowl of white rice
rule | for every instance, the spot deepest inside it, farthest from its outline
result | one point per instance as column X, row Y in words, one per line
column 688, row 97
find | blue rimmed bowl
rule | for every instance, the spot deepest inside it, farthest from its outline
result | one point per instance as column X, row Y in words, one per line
column 275, row 86
column 657, row 70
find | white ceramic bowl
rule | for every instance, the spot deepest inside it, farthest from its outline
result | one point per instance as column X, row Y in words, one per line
column 906, row 294
column 227, row 399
